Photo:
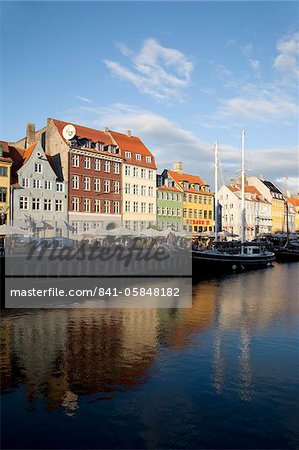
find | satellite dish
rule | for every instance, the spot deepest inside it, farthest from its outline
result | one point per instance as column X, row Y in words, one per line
column 68, row 132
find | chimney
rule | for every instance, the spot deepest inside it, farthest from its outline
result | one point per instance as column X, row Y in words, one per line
column 106, row 130
column 129, row 133
column 178, row 167
column 30, row 134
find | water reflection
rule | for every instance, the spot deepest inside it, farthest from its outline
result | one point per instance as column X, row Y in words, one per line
column 62, row 355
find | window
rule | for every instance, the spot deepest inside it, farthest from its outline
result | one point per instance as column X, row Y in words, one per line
column 143, row 190
column 106, row 186
column 86, row 205
column 37, row 184
column 24, row 203
column 25, row 183
column 97, row 164
column 148, row 159
column 107, row 206
column 151, row 191
column 150, row 208
column 210, row 200
column 200, row 214
column 150, row 174
column 48, row 204
column 36, row 204
column 59, row 187
column 138, row 156
column 127, row 170
column 127, row 188
column 205, row 200
column 86, row 183
column 75, row 181
column 143, row 173
column 106, row 166
column 195, row 198
column 195, row 214
column 86, row 226
column 135, row 207
column 86, row 162
column 75, row 227
column 178, row 212
column 3, row 171
column 116, row 187
column 135, row 189
column 185, row 212
column 97, row 205
column 143, row 207
column 48, row 185
column 97, row 184
column 75, row 160
column 211, row 215
column 190, row 213
column 128, row 155
column 75, row 204
column 200, row 199
column 128, row 206
column 116, row 167
column 135, row 171
column 205, row 214
column 38, row 168
column 116, row 207
column 58, row 205
column 3, row 194
column 190, row 198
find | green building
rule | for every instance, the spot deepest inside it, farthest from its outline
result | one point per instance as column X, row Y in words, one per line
column 169, row 208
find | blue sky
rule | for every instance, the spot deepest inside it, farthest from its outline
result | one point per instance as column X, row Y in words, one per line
column 179, row 75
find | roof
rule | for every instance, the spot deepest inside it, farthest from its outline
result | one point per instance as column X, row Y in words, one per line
column 272, row 187
column 134, row 145
column 191, row 179
column 6, row 156
column 256, row 195
column 167, row 188
column 293, row 201
column 85, row 132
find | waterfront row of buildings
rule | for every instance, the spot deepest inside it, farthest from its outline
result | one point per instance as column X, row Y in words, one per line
column 68, row 180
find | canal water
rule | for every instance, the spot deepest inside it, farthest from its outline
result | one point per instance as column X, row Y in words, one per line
column 223, row 374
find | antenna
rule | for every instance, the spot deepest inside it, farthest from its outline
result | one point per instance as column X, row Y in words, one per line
column 243, row 190
column 216, row 190
column 68, row 132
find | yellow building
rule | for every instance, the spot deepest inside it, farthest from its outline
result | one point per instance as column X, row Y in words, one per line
column 198, row 202
column 294, row 202
column 5, row 168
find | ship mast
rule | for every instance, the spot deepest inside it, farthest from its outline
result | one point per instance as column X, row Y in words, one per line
column 243, row 216
column 216, row 190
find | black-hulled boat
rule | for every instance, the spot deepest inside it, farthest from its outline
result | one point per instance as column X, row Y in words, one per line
column 234, row 256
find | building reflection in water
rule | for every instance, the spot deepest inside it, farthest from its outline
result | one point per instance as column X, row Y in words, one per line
column 60, row 355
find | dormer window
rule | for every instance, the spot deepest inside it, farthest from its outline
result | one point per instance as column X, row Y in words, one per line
column 148, row 159
column 186, row 185
column 196, row 187
column 128, row 155
column 138, row 156
column 99, row 146
column 112, row 149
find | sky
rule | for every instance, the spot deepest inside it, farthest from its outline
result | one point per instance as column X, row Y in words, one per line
column 180, row 75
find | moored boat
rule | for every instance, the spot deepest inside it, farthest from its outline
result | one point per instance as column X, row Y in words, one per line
column 235, row 255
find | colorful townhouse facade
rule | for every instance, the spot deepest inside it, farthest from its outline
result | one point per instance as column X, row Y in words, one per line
column 5, row 176
column 257, row 211
column 275, row 197
column 198, row 200
column 39, row 196
column 293, row 203
column 169, row 205
column 139, row 174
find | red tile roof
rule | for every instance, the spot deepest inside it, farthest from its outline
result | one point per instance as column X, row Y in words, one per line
column 191, row 179
column 85, row 132
column 134, row 145
column 293, row 201
column 167, row 188
column 256, row 195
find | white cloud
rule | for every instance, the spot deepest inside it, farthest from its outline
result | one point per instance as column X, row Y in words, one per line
column 157, row 71
column 83, row 99
column 255, row 64
column 171, row 142
column 260, row 104
column 286, row 61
